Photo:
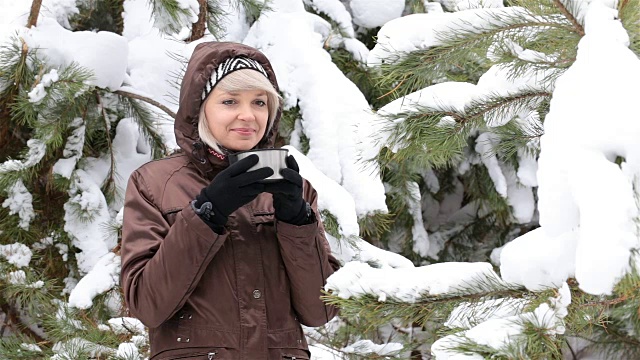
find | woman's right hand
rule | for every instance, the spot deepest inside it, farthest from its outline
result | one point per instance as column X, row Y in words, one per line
column 232, row 188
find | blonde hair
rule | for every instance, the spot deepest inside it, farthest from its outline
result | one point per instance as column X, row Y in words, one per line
column 240, row 80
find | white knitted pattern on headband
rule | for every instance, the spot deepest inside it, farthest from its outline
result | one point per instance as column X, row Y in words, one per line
column 228, row 66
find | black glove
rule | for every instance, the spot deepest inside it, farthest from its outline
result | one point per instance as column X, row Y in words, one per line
column 230, row 189
column 287, row 196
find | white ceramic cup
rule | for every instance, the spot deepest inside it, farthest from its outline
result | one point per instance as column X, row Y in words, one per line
column 273, row 158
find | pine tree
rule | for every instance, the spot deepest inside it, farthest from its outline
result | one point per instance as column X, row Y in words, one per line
column 53, row 120
column 54, row 124
column 440, row 150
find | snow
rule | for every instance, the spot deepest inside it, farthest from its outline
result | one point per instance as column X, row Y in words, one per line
column 444, row 96
column 500, row 331
column 86, row 196
column 135, row 18
column 374, row 13
column 61, row 10
column 336, row 11
column 460, row 97
column 13, row 16
column 30, row 347
column 420, row 236
column 189, row 15
column 358, row 50
column 131, row 150
column 16, row 254
column 331, row 196
column 368, row 347
column 154, row 61
column 126, row 325
column 70, row 349
column 406, row 284
column 581, row 189
column 104, row 276
column 361, row 251
column 17, row 277
column 39, row 91
column 103, row 53
column 234, row 21
column 20, row 201
column 539, row 261
column 37, row 150
column 475, row 4
column 321, row 352
column 420, row 31
column 527, row 169
column 128, row 350
column 72, row 150
column 335, row 115
column 468, row 315
column 485, row 145
column 519, row 196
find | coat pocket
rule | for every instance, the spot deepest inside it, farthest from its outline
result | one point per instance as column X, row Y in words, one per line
column 210, row 355
column 264, row 217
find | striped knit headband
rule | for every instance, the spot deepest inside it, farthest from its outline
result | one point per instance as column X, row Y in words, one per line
column 227, row 67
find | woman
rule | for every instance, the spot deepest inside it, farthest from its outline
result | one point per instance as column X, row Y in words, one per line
column 216, row 263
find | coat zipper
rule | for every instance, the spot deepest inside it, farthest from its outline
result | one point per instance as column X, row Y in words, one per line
column 211, row 355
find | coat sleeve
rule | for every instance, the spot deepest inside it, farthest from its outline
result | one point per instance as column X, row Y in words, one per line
column 161, row 264
column 308, row 261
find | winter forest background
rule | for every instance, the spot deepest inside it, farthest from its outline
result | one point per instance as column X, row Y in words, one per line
column 477, row 163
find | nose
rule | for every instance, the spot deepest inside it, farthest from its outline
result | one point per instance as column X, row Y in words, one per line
column 245, row 113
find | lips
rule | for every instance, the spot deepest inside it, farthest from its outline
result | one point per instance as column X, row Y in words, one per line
column 244, row 131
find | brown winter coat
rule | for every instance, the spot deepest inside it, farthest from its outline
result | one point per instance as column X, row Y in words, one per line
column 239, row 295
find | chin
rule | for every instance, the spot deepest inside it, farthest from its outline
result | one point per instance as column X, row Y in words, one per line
column 241, row 147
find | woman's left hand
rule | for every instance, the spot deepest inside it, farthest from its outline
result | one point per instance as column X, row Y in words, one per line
column 289, row 205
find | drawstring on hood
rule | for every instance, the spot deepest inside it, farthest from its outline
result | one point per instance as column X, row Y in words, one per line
column 197, row 154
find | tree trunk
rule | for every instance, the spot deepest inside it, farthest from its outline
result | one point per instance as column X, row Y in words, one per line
column 198, row 29
column 35, row 11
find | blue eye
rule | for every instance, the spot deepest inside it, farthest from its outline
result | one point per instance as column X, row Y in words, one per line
column 228, row 102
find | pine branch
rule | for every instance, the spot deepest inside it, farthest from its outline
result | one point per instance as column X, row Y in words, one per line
column 374, row 226
column 14, row 318
column 199, row 27
column 629, row 13
column 109, row 184
column 429, row 308
column 103, row 15
column 147, row 100
column 425, row 136
column 33, row 15
column 499, row 106
column 143, row 118
column 215, row 18
column 253, row 8
column 331, row 225
column 362, row 76
column 462, row 55
column 563, row 9
column 518, row 136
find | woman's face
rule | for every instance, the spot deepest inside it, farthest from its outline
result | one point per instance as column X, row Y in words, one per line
column 238, row 120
